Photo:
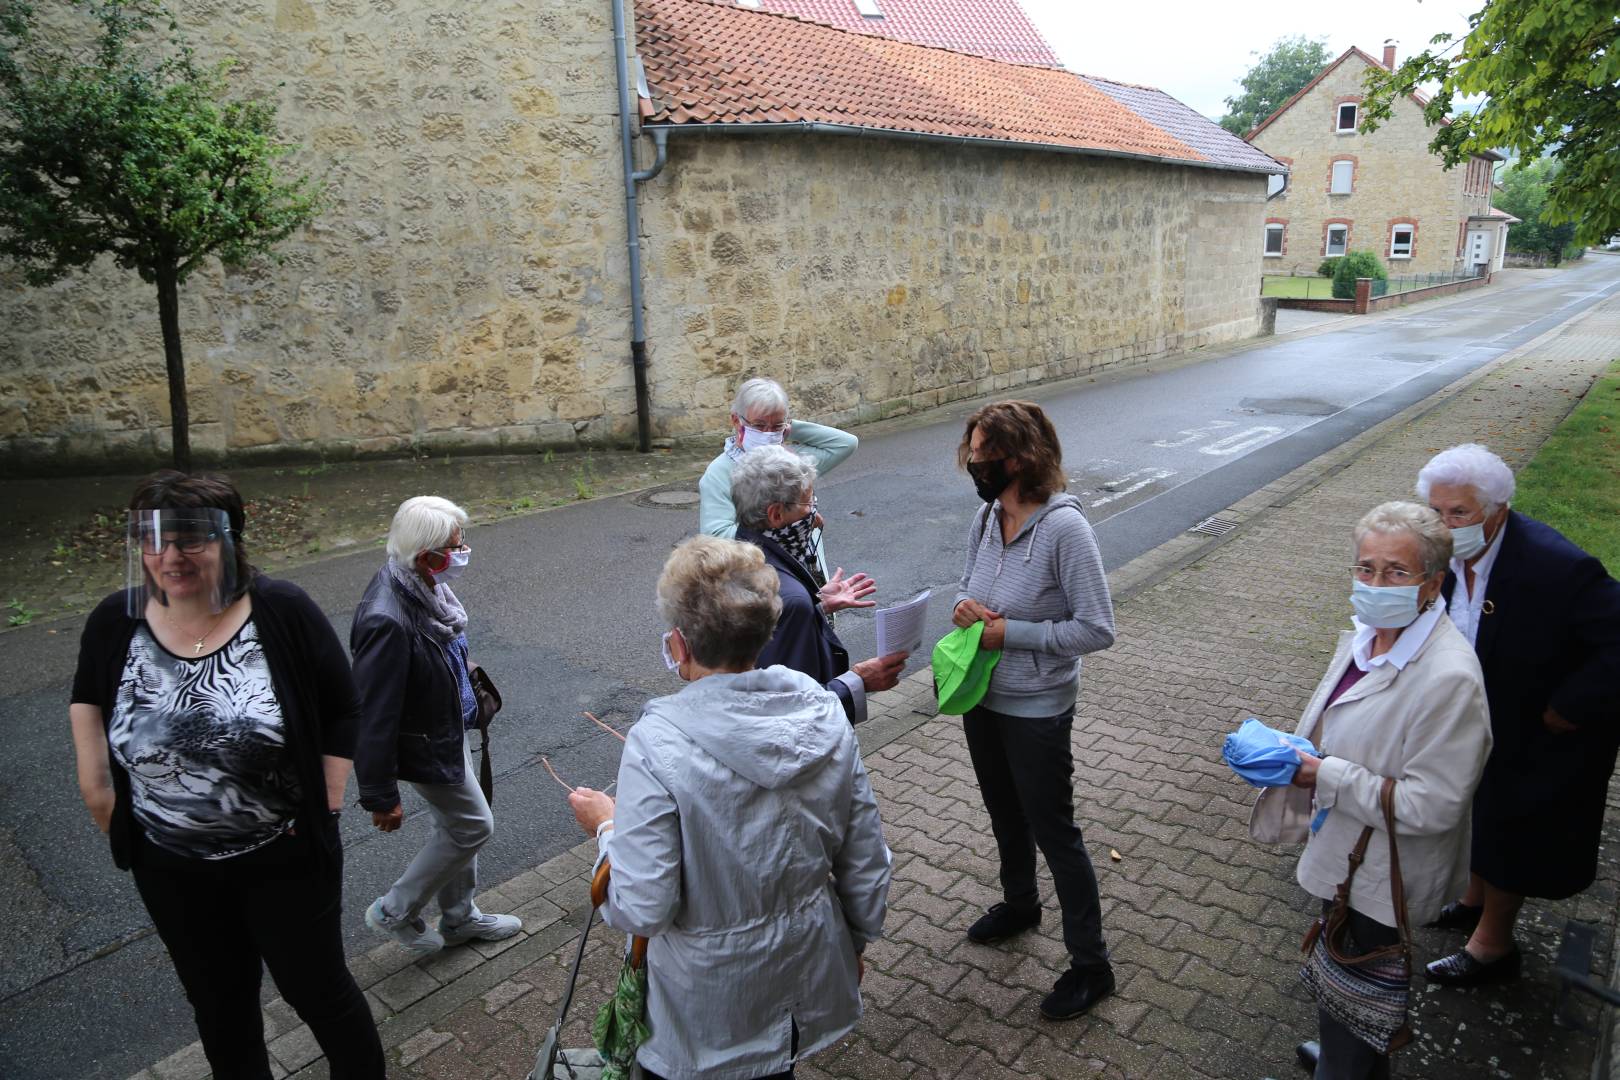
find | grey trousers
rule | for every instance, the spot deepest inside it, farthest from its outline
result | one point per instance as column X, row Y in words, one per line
column 1343, row 1056
column 446, row 869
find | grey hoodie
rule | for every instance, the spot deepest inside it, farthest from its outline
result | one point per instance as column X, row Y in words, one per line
column 1050, row 587
column 746, row 846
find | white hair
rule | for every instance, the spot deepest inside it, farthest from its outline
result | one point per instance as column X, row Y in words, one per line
column 1469, row 465
column 759, row 393
column 1434, row 539
column 422, row 523
column 770, row 474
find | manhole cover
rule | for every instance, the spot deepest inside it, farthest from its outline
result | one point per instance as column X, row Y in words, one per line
column 673, row 498
column 670, row 498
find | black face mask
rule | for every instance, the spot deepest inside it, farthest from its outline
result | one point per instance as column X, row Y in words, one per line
column 990, row 478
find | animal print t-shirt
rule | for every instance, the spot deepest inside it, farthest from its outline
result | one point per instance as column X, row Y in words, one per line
column 205, row 746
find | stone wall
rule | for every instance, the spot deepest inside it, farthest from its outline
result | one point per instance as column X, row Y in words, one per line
column 876, row 277
column 1396, row 180
column 466, row 286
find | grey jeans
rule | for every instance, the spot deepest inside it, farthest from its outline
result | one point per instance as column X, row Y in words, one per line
column 447, row 868
column 1343, row 1056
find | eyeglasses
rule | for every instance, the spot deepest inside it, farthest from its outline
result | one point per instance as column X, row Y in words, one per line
column 1461, row 520
column 188, row 544
column 778, row 426
column 1391, row 575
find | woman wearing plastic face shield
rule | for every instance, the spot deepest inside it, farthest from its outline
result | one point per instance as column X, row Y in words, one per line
column 412, row 666
column 214, row 719
column 1402, row 699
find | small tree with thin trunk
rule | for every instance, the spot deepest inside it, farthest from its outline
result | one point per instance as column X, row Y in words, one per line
column 119, row 142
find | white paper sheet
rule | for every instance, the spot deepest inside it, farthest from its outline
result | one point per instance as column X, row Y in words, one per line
column 900, row 628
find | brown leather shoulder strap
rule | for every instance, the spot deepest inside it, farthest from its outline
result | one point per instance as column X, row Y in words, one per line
column 1397, row 887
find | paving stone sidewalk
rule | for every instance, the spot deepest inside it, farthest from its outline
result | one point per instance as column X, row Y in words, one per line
column 1204, row 924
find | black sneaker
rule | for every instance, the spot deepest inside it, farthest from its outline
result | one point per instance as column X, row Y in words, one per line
column 1003, row 921
column 1076, row 992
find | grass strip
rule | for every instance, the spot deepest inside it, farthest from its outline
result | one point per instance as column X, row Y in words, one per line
column 1573, row 482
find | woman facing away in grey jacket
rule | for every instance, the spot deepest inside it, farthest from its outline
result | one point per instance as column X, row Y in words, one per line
column 1035, row 578
column 745, row 840
column 1403, row 699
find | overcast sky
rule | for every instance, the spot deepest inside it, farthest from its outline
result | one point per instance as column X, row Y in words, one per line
column 1197, row 51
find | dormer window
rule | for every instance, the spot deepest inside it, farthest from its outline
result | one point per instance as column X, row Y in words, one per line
column 1347, row 118
column 869, row 8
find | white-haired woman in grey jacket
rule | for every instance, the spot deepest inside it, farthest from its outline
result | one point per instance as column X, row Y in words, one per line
column 1035, row 578
column 745, row 841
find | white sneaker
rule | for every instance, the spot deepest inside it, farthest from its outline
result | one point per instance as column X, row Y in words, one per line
column 481, row 927
column 413, row 935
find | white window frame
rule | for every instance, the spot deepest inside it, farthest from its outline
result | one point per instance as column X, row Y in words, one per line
column 1344, row 244
column 869, row 9
column 1338, row 117
column 1349, row 168
column 1266, row 248
column 1411, row 241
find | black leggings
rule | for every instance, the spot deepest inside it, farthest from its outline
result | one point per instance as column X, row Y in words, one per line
column 224, row 920
column 1025, row 768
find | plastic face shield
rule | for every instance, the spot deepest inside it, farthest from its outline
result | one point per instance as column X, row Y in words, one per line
column 179, row 554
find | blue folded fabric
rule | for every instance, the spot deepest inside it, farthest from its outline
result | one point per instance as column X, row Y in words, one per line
column 1263, row 756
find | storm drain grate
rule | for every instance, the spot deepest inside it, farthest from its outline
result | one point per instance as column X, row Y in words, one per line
column 1219, row 525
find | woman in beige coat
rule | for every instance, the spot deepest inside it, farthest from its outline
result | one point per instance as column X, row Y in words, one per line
column 1404, row 699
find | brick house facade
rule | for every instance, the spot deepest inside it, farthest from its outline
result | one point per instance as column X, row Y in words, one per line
column 1382, row 192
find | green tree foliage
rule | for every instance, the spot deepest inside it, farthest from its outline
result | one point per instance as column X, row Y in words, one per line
column 115, row 140
column 1275, row 77
column 1357, row 264
column 1524, row 195
column 1551, row 73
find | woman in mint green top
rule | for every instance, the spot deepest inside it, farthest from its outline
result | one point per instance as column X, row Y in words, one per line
column 759, row 417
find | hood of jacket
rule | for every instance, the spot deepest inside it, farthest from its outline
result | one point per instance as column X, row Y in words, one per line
column 769, row 726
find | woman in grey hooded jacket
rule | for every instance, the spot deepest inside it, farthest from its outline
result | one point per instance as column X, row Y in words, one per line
column 1035, row 578
column 745, row 841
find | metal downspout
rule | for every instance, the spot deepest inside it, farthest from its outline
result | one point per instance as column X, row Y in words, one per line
column 632, row 215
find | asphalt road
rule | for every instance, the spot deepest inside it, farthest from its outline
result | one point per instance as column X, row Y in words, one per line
column 561, row 606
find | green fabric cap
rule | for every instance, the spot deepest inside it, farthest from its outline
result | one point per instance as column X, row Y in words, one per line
column 962, row 669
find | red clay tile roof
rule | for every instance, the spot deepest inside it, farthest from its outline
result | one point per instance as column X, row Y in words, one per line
column 998, row 29
column 712, row 63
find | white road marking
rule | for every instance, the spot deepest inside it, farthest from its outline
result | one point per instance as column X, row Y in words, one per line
column 1191, row 435
column 1131, row 483
column 1243, row 440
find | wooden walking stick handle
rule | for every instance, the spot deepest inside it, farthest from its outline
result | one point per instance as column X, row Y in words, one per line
column 599, row 887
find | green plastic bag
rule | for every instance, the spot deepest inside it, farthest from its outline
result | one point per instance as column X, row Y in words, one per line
column 962, row 669
column 621, row 1022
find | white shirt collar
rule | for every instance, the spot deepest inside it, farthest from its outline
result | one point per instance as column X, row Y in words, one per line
column 733, row 451
column 1406, row 646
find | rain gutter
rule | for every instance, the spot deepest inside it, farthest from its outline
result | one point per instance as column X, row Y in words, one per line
column 632, row 215
column 819, row 128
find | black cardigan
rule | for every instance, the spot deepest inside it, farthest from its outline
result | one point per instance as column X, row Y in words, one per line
column 308, row 668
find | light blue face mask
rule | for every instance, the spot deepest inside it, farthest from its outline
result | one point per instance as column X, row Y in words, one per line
column 669, row 657
column 1386, row 608
column 1468, row 541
